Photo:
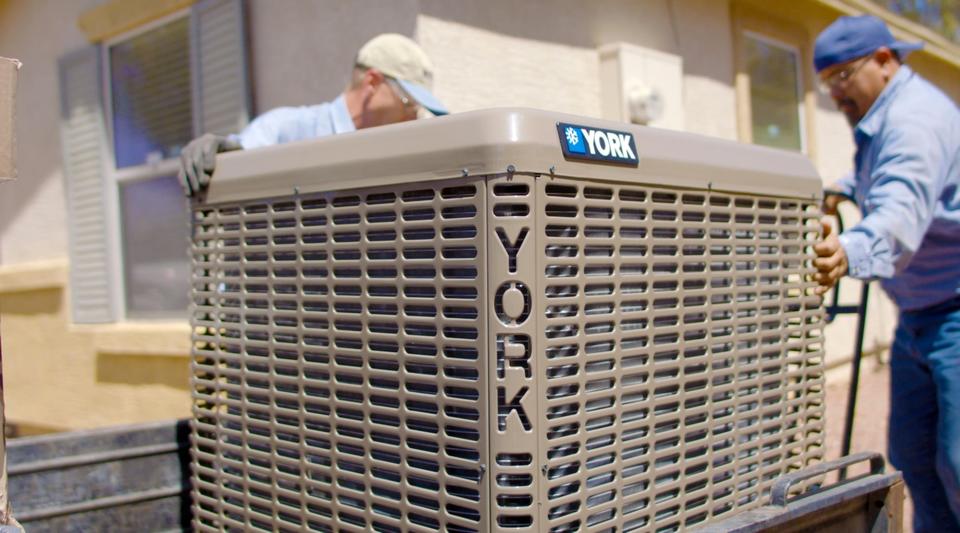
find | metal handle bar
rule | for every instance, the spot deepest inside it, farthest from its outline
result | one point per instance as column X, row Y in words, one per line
column 780, row 490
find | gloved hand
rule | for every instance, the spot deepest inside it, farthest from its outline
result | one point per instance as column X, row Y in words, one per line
column 198, row 159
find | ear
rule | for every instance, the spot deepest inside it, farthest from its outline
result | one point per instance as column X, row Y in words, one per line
column 887, row 60
column 373, row 78
column 885, row 56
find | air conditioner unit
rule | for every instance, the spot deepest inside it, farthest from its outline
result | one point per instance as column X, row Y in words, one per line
column 505, row 320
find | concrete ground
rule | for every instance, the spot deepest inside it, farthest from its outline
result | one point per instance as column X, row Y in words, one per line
column 870, row 419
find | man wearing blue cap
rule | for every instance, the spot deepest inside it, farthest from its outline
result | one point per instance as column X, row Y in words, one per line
column 906, row 182
column 392, row 78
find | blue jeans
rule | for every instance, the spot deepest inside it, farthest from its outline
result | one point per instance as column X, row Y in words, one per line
column 925, row 413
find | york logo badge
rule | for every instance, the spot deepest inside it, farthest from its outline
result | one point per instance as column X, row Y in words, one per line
column 575, row 143
column 611, row 146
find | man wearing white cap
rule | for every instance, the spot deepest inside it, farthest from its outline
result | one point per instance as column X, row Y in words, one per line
column 391, row 82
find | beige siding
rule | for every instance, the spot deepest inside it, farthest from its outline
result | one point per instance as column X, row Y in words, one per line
column 302, row 50
column 60, row 377
column 33, row 220
column 707, row 47
column 480, row 69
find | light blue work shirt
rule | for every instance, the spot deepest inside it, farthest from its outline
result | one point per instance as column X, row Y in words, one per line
column 907, row 185
column 288, row 124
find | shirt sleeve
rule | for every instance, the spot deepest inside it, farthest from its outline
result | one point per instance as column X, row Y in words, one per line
column 845, row 185
column 268, row 128
column 905, row 183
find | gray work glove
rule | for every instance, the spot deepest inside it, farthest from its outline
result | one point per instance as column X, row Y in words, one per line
column 199, row 158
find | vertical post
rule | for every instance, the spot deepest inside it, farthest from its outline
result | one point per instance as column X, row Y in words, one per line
column 855, row 375
column 6, row 512
column 8, row 88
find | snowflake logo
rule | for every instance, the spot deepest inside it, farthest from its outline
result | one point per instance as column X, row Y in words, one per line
column 572, row 137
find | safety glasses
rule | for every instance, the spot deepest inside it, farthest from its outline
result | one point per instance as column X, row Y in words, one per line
column 409, row 104
column 841, row 77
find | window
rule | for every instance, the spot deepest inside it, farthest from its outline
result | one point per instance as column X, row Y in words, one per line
column 155, row 227
column 150, row 94
column 151, row 118
column 129, row 105
column 775, row 98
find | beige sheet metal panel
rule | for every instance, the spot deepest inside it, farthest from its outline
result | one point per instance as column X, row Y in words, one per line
column 9, row 71
column 487, row 142
column 438, row 350
column 328, row 393
column 513, row 283
column 681, row 353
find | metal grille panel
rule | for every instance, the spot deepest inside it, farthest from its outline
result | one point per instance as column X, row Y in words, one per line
column 501, row 353
column 337, row 371
column 682, row 353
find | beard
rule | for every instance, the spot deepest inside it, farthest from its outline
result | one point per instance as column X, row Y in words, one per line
column 851, row 111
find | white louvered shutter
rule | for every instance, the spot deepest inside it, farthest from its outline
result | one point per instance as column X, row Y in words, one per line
column 221, row 88
column 83, row 134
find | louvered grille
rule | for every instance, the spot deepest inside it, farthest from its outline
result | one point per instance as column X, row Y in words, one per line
column 506, row 352
column 682, row 353
column 338, row 372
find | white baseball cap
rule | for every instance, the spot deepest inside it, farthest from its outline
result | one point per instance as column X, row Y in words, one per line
column 402, row 59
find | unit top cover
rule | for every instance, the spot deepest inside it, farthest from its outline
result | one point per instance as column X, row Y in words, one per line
column 505, row 140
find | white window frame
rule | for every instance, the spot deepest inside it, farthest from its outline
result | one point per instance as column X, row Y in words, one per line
column 218, row 55
column 118, row 177
column 801, row 110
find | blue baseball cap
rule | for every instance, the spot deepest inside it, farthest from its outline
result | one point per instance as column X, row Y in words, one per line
column 851, row 37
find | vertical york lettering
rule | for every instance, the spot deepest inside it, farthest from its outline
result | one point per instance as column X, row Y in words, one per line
column 512, row 249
